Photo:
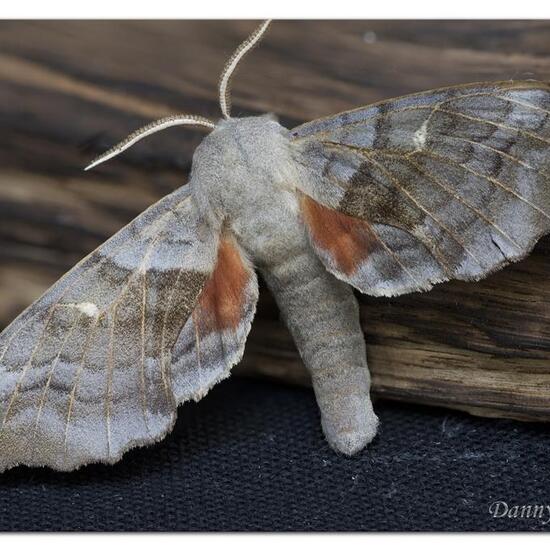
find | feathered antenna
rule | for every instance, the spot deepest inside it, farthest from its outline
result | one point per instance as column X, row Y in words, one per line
column 191, row 120
column 224, row 85
column 156, row 126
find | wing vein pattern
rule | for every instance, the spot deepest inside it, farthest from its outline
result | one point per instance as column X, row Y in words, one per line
column 99, row 363
column 454, row 183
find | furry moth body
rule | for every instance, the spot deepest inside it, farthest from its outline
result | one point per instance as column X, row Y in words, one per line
column 389, row 199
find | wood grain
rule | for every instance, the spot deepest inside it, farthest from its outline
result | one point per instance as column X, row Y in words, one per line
column 70, row 89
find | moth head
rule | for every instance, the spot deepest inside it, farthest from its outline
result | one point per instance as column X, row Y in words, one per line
column 224, row 90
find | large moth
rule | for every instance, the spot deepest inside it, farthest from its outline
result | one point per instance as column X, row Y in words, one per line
column 389, row 199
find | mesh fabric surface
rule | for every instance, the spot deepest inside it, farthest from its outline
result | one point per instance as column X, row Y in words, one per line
column 251, row 456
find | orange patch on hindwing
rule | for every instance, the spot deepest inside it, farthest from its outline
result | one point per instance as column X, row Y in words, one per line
column 346, row 239
column 221, row 302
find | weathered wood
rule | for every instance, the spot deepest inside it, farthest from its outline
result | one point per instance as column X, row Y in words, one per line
column 69, row 90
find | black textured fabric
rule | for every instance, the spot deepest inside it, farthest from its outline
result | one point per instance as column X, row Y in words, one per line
column 251, row 456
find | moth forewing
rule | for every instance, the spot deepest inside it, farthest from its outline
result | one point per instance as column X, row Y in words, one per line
column 447, row 184
column 92, row 368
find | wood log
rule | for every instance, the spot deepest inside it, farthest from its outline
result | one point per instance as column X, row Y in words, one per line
column 70, row 89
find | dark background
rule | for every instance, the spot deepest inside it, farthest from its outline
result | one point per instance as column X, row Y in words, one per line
column 251, row 455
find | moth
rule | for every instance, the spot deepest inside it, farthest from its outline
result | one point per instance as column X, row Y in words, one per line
column 387, row 199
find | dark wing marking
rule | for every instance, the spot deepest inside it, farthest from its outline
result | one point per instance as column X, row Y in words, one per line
column 85, row 372
column 448, row 184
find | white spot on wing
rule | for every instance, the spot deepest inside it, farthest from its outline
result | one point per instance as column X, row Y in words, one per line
column 421, row 135
column 88, row 308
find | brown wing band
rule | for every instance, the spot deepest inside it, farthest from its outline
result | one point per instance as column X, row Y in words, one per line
column 222, row 302
column 347, row 240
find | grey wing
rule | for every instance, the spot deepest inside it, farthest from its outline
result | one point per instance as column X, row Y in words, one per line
column 447, row 184
column 87, row 371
